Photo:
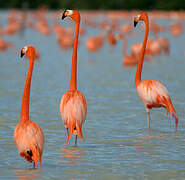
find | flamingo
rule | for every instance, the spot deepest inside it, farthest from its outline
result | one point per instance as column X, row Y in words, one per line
column 176, row 29
column 94, row 43
column 164, row 44
column 128, row 60
column 152, row 92
column 5, row 45
column 111, row 38
column 28, row 136
column 73, row 106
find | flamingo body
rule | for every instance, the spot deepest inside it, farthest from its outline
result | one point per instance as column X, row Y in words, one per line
column 29, row 139
column 154, row 94
column 94, row 43
column 73, row 108
column 130, row 60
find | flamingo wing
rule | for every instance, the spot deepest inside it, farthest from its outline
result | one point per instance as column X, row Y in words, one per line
column 152, row 92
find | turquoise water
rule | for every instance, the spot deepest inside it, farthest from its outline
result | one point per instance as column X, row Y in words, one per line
column 117, row 143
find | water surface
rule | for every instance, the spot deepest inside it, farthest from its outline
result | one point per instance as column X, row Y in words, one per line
column 117, row 143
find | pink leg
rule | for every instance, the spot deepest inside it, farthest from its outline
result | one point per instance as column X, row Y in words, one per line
column 148, row 117
column 68, row 136
column 176, row 122
column 76, row 140
column 33, row 165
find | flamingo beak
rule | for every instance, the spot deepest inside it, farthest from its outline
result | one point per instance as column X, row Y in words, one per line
column 135, row 23
column 64, row 14
column 22, row 53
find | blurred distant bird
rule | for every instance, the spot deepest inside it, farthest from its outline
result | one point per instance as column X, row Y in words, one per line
column 4, row 45
column 128, row 60
column 176, row 29
column 94, row 43
column 153, row 93
column 73, row 106
column 28, row 136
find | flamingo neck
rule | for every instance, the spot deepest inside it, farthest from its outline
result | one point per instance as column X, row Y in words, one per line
column 141, row 56
column 125, row 47
column 26, row 92
column 73, row 82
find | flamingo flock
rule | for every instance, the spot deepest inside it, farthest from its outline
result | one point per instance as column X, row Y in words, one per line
column 28, row 135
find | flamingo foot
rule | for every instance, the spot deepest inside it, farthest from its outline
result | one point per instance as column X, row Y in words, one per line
column 76, row 140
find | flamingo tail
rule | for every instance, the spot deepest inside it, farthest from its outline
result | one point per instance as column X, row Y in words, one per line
column 36, row 156
column 74, row 127
column 79, row 131
column 170, row 109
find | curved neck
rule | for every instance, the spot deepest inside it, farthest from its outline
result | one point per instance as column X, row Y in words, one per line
column 125, row 46
column 73, row 82
column 26, row 93
column 141, row 56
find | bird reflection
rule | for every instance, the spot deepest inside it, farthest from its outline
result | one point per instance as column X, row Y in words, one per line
column 155, row 134
column 27, row 174
column 72, row 155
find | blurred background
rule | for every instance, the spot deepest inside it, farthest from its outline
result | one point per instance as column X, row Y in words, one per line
column 98, row 4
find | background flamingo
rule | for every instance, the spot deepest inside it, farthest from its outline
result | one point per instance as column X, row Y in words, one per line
column 73, row 105
column 128, row 60
column 28, row 136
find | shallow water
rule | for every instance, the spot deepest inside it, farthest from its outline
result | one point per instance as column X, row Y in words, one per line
column 117, row 143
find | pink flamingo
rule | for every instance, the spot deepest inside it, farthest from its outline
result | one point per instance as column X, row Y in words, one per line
column 5, row 45
column 165, row 45
column 73, row 106
column 153, row 93
column 128, row 60
column 28, row 136
column 111, row 38
column 176, row 29
column 94, row 43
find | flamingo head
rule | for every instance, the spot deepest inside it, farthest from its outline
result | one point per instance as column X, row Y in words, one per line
column 141, row 17
column 75, row 15
column 29, row 51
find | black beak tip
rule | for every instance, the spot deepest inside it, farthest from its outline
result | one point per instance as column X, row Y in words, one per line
column 22, row 54
column 63, row 16
column 135, row 23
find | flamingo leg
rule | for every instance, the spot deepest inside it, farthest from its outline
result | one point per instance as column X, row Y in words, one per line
column 67, row 131
column 76, row 140
column 68, row 136
column 148, row 117
column 33, row 165
column 176, row 122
